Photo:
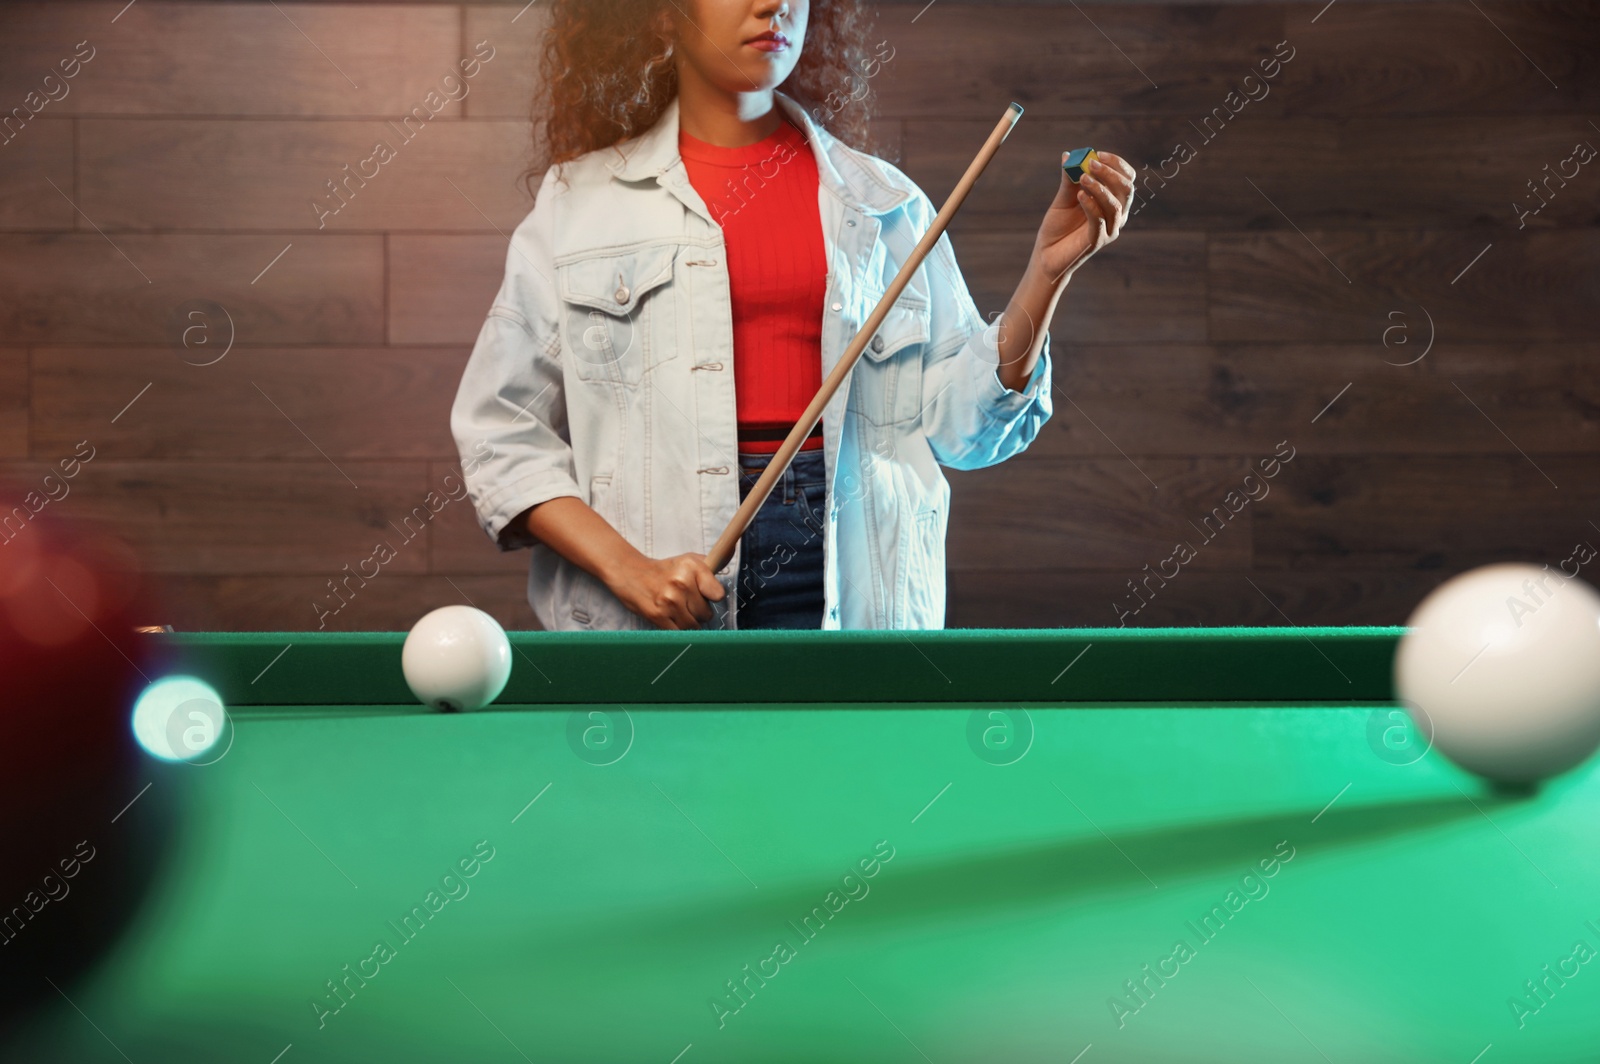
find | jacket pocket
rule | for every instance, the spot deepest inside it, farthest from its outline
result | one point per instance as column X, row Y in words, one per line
column 887, row 386
column 617, row 313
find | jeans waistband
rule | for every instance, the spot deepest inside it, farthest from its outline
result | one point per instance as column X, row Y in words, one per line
column 807, row 469
column 802, row 460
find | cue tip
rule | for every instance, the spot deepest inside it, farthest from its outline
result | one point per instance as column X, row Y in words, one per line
column 1016, row 109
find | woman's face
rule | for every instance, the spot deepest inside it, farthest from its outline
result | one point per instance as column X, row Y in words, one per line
column 714, row 38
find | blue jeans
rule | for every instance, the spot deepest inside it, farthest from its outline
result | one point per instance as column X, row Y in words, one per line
column 780, row 560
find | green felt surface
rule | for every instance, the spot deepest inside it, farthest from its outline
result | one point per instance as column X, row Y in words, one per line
column 663, row 851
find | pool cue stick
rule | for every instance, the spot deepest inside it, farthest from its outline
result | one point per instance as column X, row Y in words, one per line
column 722, row 552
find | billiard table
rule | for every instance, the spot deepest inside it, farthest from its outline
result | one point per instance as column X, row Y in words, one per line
column 966, row 845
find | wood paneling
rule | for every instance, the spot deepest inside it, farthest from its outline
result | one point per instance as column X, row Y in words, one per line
column 392, row 603
column 1402, row 57
column 135, row 288
column 1036, row 513
column 1324, row 285
column 1447, row 512
column 254, row 403
column 1242, row 399
column 980, row 598
column 504, row 88
column 441, row 287
column 198, row 517
column 232, row 59
column 1259, row 171
column 37, row 156
column 964, row 61
column 15, row 402
column 221, row 174
column 1443, row 58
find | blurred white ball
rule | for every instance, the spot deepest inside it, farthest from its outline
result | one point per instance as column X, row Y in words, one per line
column 456, row 658
column 1503, row 663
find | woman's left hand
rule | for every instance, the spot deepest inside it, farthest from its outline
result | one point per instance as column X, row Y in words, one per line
column 1085, row 216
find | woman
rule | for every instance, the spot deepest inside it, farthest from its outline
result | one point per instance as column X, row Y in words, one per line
column 701, row 250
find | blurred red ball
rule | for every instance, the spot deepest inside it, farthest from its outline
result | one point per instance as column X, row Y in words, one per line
column 72, row 665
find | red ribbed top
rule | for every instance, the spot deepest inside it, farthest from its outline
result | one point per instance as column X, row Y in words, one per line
column 764, row 195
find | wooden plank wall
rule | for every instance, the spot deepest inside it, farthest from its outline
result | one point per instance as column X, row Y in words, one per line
column 1258, row 301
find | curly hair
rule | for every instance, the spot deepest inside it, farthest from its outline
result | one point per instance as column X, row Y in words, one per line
column 602, row 81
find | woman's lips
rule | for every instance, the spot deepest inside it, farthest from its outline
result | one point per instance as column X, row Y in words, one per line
column 769, row 44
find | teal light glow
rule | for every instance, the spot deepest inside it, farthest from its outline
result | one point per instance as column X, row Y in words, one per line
column 180, row 718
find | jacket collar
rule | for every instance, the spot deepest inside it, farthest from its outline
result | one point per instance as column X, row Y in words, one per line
column 856, row 178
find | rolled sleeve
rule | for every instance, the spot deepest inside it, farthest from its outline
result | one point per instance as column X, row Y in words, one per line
column 509, row 417
column 970, row 418
column 974, row 420
column 1004, row 404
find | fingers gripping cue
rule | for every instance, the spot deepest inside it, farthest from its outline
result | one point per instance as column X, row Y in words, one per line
column 723, row 550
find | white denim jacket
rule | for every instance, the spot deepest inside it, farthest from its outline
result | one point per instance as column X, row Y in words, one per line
column 604, row 371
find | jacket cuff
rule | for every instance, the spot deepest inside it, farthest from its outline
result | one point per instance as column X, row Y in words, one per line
column 496, row 511
column 1001, row 402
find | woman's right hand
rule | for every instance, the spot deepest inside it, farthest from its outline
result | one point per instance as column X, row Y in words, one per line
column 668, row 592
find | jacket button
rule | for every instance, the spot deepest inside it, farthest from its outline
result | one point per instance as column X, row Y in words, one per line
column 838, row 307
column 621, row 294
column 849, row 221
column 877, row 343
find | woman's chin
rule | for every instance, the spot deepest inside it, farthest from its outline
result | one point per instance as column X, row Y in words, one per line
column 760, row 72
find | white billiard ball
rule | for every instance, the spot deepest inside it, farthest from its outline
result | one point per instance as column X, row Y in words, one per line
column 1502, row 665
column 456, row 658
